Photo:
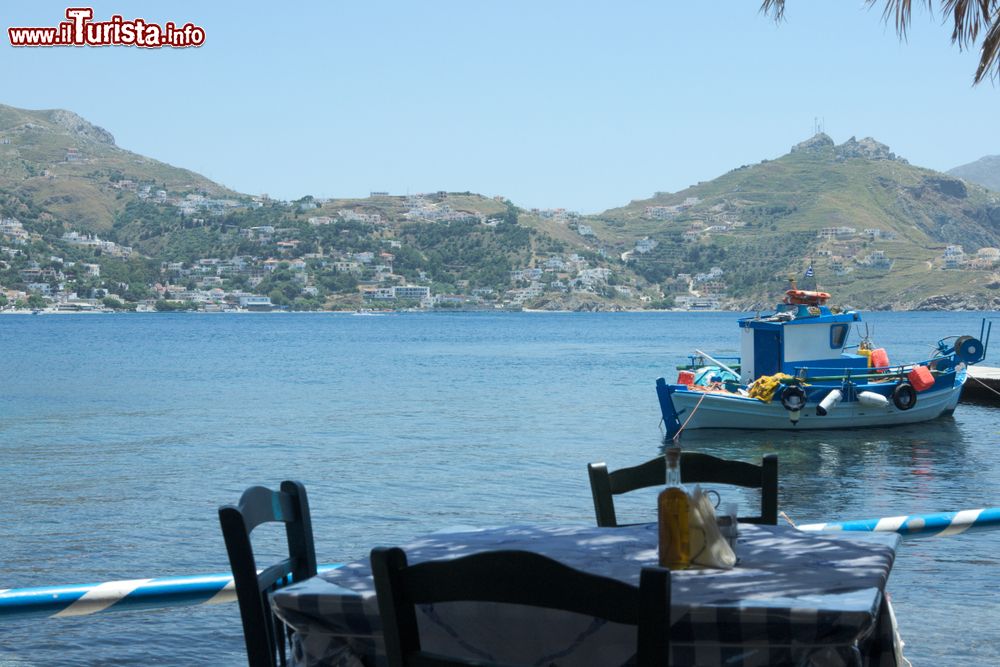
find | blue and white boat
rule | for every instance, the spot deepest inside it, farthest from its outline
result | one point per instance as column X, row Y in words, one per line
column 795, row 372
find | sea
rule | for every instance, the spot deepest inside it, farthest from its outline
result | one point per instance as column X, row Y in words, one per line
column 122, row 434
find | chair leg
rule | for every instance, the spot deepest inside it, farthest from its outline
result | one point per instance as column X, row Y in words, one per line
column 279, row 639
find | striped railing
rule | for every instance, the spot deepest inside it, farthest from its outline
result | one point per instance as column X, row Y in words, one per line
column 131, row 594
column 940, row 524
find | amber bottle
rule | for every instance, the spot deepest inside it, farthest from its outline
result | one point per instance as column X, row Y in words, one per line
column 673, row 505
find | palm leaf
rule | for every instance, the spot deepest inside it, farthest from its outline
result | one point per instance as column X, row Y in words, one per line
column 900, row 12
column 969, row 17
column 990, row 54
column 774, row 7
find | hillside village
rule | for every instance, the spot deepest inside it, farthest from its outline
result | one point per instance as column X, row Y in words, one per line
column 87, row 226
column 301, row 264
column 871, row 226
column 230, row 283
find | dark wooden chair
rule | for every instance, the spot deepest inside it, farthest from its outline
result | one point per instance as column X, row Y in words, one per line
column 695, row 468
column 514, row 577
column 264, row 634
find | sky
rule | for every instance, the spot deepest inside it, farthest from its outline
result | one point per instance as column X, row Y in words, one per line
column 580, row 105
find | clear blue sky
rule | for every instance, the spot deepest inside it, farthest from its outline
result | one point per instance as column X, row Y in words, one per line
column 578, row 104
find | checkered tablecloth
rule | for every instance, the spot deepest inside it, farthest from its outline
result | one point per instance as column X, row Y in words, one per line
column 794, row 598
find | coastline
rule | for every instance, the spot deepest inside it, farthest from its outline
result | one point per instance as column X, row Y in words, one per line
column 422, row 312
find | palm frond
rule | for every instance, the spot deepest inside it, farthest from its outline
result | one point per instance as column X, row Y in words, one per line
column 989, row 61
column 776, row 8
column 899, row 13
column 969, row 17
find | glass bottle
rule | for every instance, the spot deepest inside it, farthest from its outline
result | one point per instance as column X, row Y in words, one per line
column 673, row 505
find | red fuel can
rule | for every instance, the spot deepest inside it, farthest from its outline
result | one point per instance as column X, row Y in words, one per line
column 921, row 378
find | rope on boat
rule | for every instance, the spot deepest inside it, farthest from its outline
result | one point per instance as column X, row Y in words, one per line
column 697, row 405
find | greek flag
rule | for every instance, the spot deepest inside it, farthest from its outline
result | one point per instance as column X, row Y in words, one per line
column 809, row 272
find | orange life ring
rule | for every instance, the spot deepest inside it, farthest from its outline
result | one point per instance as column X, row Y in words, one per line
column 805, row 297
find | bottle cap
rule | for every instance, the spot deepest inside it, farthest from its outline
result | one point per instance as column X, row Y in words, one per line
column 673, row 454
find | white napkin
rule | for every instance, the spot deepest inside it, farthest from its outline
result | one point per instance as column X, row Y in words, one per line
column 708, row 547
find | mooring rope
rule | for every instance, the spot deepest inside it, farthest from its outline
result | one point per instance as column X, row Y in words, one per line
column 697, row 405
column 984, row 384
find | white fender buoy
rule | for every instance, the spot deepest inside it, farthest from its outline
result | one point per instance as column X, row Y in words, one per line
column 870, row 399
column 829, row 402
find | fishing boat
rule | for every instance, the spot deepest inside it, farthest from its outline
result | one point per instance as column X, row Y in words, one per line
column 795, row 371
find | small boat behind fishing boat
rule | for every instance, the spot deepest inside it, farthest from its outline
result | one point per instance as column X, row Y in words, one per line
column 795, row 372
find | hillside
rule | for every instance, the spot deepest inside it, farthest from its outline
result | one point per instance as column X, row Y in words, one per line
column 57, row 161
column 83, row 220
column 985, row 172
column 878, row 231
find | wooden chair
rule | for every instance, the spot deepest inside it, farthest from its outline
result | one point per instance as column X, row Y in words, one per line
column 514, row 577
column 695, row 468
column 264, row 634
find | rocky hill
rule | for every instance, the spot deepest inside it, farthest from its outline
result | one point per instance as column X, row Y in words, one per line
column 58, row 162
column 879, row 232
column 985, row 171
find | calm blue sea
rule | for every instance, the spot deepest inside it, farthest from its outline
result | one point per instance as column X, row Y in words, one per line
column 120, row 435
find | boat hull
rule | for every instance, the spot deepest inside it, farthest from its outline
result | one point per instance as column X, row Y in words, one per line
column 699, row 410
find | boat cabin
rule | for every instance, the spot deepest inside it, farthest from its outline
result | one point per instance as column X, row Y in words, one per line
column 796, row 336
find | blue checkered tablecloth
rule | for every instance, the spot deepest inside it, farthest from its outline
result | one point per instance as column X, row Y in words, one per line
column 794, row 598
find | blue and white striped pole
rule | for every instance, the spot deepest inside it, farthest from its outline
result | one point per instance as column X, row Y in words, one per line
column 85, row 599
column 129, row 594
column 940, row 524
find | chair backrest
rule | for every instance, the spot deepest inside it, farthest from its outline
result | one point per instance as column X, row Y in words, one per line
column 695, row 468
column 514, row 577
column 263, row 633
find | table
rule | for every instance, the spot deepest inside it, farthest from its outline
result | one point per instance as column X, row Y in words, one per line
column 795, row 597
